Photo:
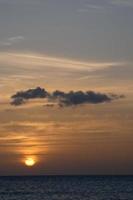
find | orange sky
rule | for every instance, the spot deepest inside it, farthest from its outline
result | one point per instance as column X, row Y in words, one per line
column 68, row 46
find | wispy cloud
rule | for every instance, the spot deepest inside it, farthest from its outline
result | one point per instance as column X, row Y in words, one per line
column 90, row 6
column 127, row 3
column 104, row 5
column 12, row 40
column 34, row 61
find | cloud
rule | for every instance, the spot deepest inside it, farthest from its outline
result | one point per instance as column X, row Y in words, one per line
column 63, row 98
column 17, row 101
column 125, row 3
column 16, row 39
column 90, row 6
column 104, row 5
column 38, row 61
column 20, row 97
column 80, row 97
column 12, row 40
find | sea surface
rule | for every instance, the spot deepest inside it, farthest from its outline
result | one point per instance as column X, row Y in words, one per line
column 67, row 188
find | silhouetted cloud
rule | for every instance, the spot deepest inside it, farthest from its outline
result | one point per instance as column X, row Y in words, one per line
column 64, row 98
column 31, row 94
column 21, row 97
column 17, row 101
column 115, row 96
column 80, row 97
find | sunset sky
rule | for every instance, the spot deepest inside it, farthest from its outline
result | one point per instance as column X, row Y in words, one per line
column 66, row 45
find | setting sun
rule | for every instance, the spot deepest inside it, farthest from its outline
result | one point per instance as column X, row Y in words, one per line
column 30, row 162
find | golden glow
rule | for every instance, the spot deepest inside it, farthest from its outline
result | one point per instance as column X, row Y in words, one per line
column 30, row 162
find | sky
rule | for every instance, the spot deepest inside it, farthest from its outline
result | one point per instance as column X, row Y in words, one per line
column 73, row 45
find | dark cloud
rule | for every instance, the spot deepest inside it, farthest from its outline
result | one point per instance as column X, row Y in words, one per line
column 17, row 101
column 21, row 97
column 31, row 94
column 64, row 98
column 115, row 96
column 80, row 97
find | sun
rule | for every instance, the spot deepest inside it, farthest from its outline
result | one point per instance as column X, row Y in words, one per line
column 29, row 162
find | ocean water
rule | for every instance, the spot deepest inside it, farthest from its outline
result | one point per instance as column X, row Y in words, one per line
column 67, row 188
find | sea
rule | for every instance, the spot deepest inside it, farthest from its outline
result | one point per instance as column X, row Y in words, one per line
column 66, row 188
